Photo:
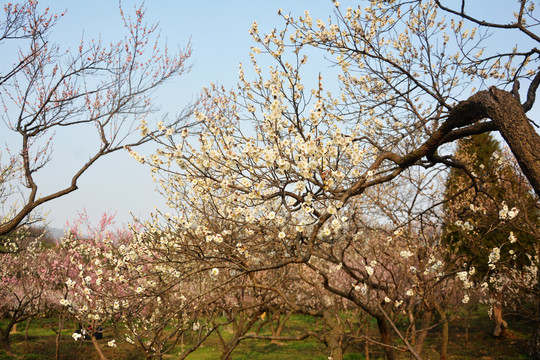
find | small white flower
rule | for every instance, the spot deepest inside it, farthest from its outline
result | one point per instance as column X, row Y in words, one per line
column 503, row 213
column 462, row 275
column 214, row 272
column 465, row 299
column 513, row 213
column 406, row 254
column 495, row 255
column 369, row 270
column 112, row 343
column 410, row 292
column 76, row 336
column 512, row 238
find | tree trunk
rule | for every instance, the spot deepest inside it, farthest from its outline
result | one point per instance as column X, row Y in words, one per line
column 334, row 338
column 500, row 324
column 58, row 335
column 26, row 331
column 386, row 338
column 445, row 331
column 98, row 348
column 4, row 338
column 516, row 129
column 467, row 318
column 423, row 331
column 366, row 345
column 277, row 331
column 6, row 345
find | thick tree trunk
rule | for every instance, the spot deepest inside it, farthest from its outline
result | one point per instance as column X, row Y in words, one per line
column 334, row 337
column 4, row 338
column 516, row 129
column 386, row 338
column 6, row 345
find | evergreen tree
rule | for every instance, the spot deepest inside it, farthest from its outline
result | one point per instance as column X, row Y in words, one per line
column 491, row 219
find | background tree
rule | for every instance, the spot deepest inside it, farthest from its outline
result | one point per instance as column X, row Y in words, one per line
column 482, row 216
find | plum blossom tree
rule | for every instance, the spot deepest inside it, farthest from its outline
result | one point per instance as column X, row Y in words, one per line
column 284, row 167
column 29, row 285
column 98, row 86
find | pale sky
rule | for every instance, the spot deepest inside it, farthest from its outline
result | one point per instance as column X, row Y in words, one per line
column 218, row 31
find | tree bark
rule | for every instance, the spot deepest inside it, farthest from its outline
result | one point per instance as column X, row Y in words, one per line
column 58, row 336
column 98, row 348
column 386, row 338
column 366, row 344
column 26, row 331
column 516, row 129
column 445, row 332
column 4, row 338
column 6, row 345
column 278, row 326
column 423, row 331
column 334, row 338
column 500, row 324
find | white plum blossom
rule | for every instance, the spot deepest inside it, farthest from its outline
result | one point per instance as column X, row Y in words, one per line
column 214, row 272
column 369, row 270
column 406, row 254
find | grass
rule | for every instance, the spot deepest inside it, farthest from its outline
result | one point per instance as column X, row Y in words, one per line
column 479, row 345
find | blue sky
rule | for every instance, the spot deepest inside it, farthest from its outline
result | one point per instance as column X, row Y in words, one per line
column 218, row 31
